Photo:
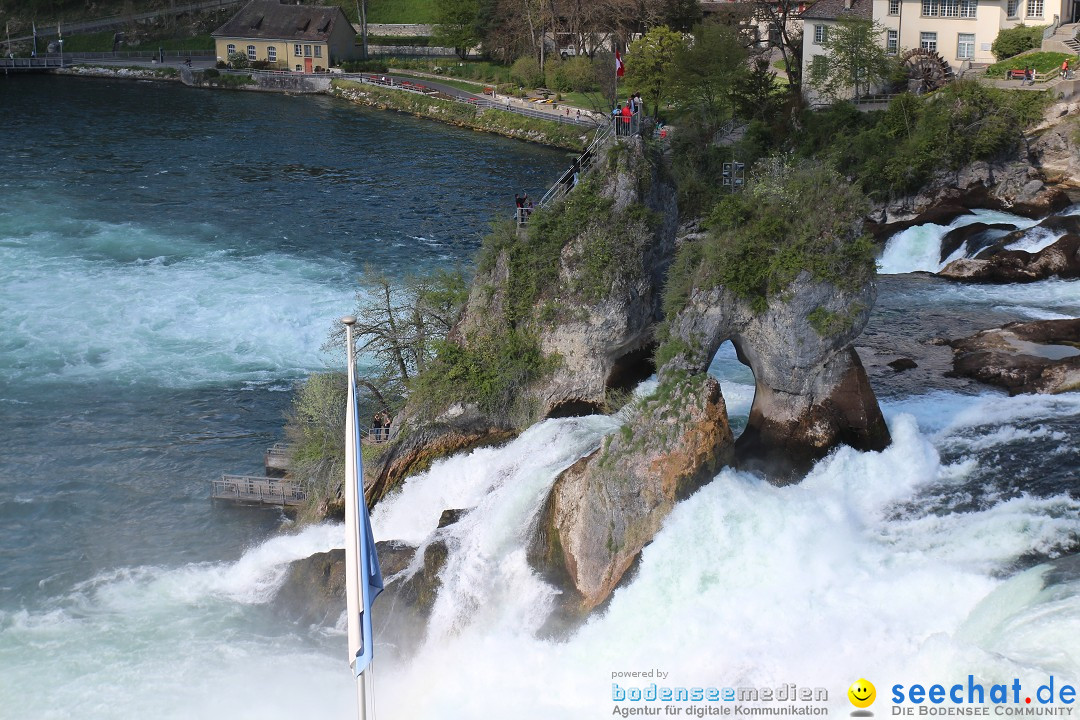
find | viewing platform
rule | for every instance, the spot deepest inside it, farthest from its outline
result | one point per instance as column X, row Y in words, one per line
column 249, row 489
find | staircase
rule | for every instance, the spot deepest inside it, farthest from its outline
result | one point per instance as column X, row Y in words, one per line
column 1065, row 39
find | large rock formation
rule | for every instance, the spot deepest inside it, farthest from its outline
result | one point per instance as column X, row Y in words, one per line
column 580, row 287
column 811, row 390
column 1033, row 357
column 1031, row 182
column 1062, row 259
column 604, row 508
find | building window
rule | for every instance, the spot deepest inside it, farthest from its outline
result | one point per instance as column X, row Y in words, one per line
column 965, row 46
column 892, row 42
column 819, row 68
column 1012, row 7
column 950, row 8
column 307, row 51
column 928, row 41
column 969, row 8
column 251, row 52
column 230, row 49
column 271, row 54
column 296, row 50
column 318, row 51
column 894, row 7
column 820, row 34
column 298, row 68
column 1035, row 8
column 929, row 8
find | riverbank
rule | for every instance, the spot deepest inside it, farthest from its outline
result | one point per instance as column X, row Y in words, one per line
column 500, row 122
column 490, row 120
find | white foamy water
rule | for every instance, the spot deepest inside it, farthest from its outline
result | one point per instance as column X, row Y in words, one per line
column 918, row 248
column 745, row 584
column 118, row 302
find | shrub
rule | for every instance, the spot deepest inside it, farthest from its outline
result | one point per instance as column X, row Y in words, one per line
column 790, row 218
column 526, row 72
column 1014, row 41
column 374, row 66
column 238, row 60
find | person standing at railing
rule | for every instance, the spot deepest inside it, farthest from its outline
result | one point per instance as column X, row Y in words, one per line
column 627, row 114
column 1065, row 69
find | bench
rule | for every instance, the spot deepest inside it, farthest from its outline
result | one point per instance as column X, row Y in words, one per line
column 1017, row 74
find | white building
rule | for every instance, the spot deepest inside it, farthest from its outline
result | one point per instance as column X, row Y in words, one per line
column 960, row 30
column 817, row 21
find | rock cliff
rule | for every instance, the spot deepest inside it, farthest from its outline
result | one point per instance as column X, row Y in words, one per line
column 744, row 282
column 560, row 317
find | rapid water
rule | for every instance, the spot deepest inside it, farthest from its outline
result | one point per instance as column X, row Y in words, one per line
column 918, row 248
column 124, row 593
column 171, row 261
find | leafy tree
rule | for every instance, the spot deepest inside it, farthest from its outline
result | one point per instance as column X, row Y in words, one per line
column 785, row 33
column 458, row 24
column 398, row 326
column 854, row 59
column 756, row 97
column 704, row 75
column 649, row 64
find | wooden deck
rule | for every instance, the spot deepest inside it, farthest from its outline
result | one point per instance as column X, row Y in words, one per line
column 258, row 490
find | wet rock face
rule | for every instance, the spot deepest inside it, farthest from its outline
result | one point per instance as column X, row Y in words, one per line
column 1035, row 357
column 1017, row 186
column 1062, row 259
column 459, row 428
column 603, row 338
column 607, row 506
column 811, row 390
column 314, row 589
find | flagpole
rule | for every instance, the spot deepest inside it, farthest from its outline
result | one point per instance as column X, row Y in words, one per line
column 352, row 537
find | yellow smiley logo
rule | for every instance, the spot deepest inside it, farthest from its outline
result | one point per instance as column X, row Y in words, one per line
column 862, row 693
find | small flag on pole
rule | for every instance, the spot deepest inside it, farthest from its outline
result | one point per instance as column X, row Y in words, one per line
column 619, row 69
column 363, row 578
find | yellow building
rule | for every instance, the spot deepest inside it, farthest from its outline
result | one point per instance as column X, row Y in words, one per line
column 960, row 30
column 303, row 38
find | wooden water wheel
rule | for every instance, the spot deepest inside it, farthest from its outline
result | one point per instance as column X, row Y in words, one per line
column 926, row 70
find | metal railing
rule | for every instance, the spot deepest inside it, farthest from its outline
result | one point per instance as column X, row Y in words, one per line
column 33, row 63
column 135, row 54
column 48, row 29
column 263, row 490
column 628, row 125
column 570, row 178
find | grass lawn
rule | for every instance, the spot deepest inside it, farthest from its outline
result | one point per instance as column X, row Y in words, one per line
column 103, row 42
column 391, row 11
column 1041, row 61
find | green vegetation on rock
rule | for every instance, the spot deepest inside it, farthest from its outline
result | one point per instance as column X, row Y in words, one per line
column 501, row 122
column 790, row 218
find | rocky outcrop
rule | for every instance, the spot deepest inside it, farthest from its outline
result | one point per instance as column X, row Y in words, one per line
column 1017, row 186
column 415, row 444
column 811, row 390
column 1056, row 150
column 585, row 281
column 975, row 236
column 1062, row 259
column 607, row 506
column 1034, row 357
column 313, row 592
column 314, row 589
